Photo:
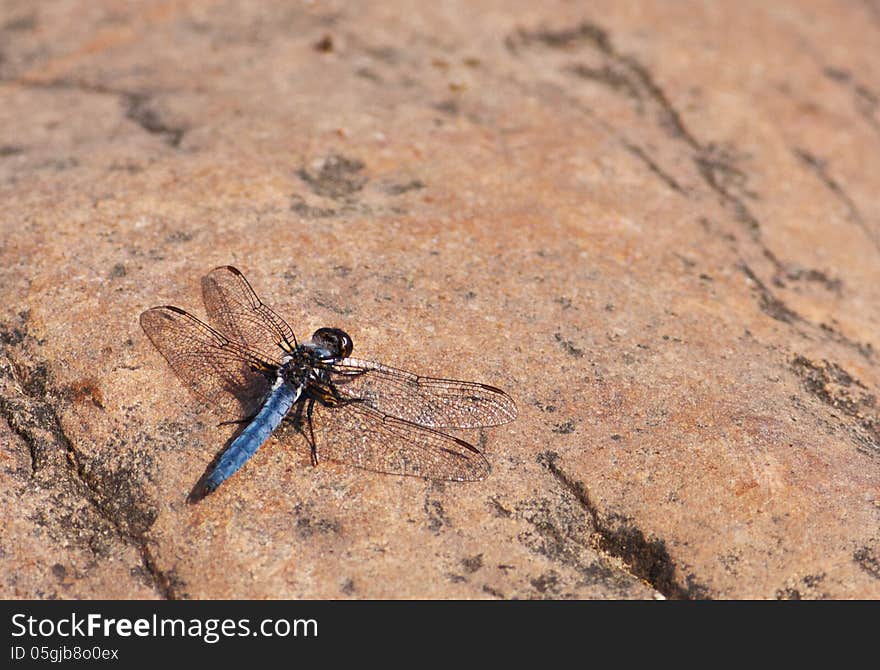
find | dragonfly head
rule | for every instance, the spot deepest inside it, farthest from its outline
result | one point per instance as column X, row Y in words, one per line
column 332, row 342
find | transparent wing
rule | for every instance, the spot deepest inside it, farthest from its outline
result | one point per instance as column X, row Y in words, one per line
column 236, row 311
column 216, row 369
column 427, row 401
column 359, row 435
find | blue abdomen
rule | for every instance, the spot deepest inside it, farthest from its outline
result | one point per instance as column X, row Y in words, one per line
column 244, row 446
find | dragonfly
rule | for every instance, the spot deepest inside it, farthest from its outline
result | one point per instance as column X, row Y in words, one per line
column 249, row 366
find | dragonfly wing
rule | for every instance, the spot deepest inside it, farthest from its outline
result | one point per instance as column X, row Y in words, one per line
column 234, row 308
column 359, row 435
column 427, row 401
column 216, row 369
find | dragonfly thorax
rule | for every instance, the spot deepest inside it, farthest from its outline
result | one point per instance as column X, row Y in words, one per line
column 306, row 364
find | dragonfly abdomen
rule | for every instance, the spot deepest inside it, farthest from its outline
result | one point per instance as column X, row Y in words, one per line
column 275, row 408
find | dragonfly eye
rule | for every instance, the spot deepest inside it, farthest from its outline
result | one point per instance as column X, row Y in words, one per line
column 335, row 341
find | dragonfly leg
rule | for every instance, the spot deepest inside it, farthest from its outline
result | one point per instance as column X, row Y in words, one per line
column 342, row 402
column 237, row 421
column 324, row 393
column 327, row 394
column 311, row 438
column 296, row 417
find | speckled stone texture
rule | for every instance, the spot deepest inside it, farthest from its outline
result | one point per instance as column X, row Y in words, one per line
column 655, row 224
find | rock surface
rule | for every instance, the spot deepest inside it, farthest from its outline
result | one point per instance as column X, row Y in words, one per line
column 656, row 225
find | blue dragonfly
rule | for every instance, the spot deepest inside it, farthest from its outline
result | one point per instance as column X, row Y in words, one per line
column 251, row 367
